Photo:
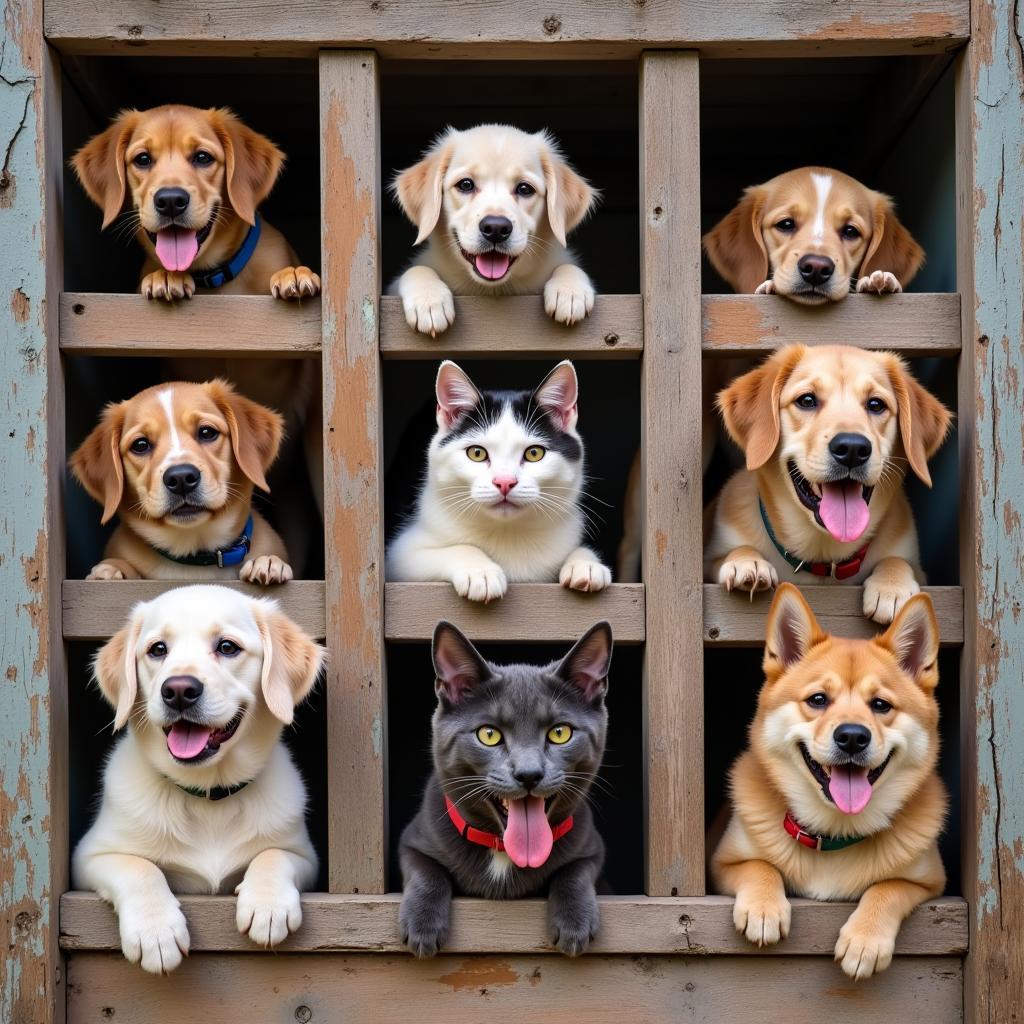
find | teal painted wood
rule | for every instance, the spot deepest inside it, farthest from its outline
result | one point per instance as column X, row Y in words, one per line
column 31, row 831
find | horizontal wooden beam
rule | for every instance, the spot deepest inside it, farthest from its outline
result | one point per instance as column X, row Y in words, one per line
column 629, row 924
column 530, row 29
column 734, row 620
column 752, row 325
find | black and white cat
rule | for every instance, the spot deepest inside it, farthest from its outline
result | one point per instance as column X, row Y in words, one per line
column 501, row 499
column 504, row 813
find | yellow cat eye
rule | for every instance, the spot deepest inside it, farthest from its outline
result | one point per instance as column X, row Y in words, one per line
column 488, row 735
column 476, row 453
column 559, row 734
column 534, row 453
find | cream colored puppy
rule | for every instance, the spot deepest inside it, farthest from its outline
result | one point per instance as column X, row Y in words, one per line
column 495, row 205
column 201, row 796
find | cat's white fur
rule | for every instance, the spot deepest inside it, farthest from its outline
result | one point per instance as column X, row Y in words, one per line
column 464, row 533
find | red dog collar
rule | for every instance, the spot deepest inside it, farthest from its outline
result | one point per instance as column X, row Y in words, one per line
column 815, row 842
column 844, row 570
column 489, row 839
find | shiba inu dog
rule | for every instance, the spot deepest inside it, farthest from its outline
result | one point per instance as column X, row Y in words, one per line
column 838, row 797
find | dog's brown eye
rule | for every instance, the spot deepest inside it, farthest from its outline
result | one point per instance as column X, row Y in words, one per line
column 525, row 189
column 202, row 158
column 140, row 446
column 875, row 405
column 850, row 233
column 157, row 649
column 465, row 185
column 807, row 401
column 817, row 700
column 142, row 160
column 787, row 224
column 207, row 434
column 228, row 648
column 880, row 706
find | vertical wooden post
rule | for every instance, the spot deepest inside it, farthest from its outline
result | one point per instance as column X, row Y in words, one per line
column 33, row 741
column 356, row 703
column 672, row 551
column 990, row 201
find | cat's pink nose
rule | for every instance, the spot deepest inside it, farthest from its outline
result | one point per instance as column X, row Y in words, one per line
column 505, row 484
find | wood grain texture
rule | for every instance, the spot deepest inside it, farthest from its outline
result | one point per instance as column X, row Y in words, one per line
column 671, row 472
column 353, row 497
column 753, row 325
column 96, row 609
column 234, row 325
column 396, row 989
column 573, row 28
column 639, row 925
column 528, row 613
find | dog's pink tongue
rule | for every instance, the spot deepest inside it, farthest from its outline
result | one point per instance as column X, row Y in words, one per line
column 492, row 265
column 176, row 248
column 850, row 788
column 187, row 740
column 843, row 510
column 528, row 838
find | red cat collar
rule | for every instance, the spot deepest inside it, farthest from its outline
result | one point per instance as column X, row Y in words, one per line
column 489, row 839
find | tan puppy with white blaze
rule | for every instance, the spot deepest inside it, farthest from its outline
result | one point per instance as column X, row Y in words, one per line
column 201, row 795
column 828, row 432
column 495, row 205
column 838, row 797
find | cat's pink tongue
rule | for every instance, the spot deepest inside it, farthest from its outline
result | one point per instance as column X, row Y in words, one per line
column 843, row 510
column 528, row 839
column 493, row 265
column 849, row 787
column 176, row 248
column 187, row 740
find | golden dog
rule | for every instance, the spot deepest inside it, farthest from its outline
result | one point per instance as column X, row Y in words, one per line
column 178, row 463
column 838, row 797
column 827, row 432
column 809, row 234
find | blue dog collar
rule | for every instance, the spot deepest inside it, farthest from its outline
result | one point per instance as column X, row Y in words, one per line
column 222, row 557
column 214, row 277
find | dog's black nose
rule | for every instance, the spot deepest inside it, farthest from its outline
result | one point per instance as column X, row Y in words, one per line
column 181, row 480
column 528, row 777
column 169, row 202
column 180, row 692
column 815, row 269
column 852, row 739
column 495, row 229
column 850, row 450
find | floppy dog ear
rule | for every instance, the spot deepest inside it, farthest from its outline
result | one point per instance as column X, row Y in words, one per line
column 892, row 247
column 735, row 246
column 419, row 188
column 569, row 197
column 791, row 631
column 256, row 431
column 750, row 405
column 96, row 463
column 914, row 638
column 115, row 670
column 291, row 661
column 557, row 394
column 924, row 420
column 253, row 163
column 99, row 164
column 458, row 665
column 586, row 666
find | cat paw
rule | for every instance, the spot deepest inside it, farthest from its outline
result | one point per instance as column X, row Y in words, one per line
column 486, row 584
column 168, row 285
column 879, row 282
column 572, row 929
column 586, row 575
column 429, row 307
column 105, row 571
column 268, row 914
column 884, row 598
column 753, row 574
column 861, row 952
column 294, row 283
column 266, row 569
column 763, row 921
column 424, row 930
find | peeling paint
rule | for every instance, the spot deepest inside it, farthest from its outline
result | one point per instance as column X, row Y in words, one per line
column 480, row 973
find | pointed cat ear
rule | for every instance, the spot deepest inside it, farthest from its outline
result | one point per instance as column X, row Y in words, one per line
column 586, row 665
column 557, row 394
column 456, row 394
column 458, row 665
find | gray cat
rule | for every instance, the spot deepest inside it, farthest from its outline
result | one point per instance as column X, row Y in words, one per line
column 504, row 813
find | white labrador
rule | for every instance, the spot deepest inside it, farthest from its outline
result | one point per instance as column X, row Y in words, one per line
column 201, row 795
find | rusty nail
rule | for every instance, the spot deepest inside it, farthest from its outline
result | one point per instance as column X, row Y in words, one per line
column 303, row 1014
column 713, row 633
column 611, row 339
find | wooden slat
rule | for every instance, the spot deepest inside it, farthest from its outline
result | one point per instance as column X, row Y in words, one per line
column 95, row 609
column 671, row 468
column 734, row 620
column 96, row 324
column 528, row 613
column 572, row 28
column 753, row 325
column 696, row 927
column 517, row 327
column 353, row 495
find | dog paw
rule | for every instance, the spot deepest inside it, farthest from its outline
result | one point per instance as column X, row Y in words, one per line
column 168, row 285
column 572, row 930
column 429, row 308
column 294, row 283
column 486, row 583
column 765, row 288
column 266, row 569
column 763, row 922
column 105, row 571
column 568, row 301
column 861, row 953
column 879, row 282
column 751, row 574
column 586, row 575
column 424, row 929
column 267, row 914
column 883, row 599
column 154, row 933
